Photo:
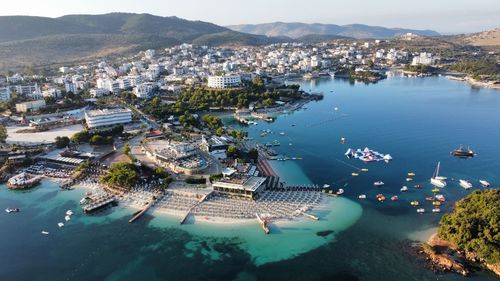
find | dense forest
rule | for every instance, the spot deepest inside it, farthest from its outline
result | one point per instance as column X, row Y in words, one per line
column 474, row 224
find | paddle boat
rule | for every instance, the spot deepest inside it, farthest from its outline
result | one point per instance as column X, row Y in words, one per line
column 380, row 197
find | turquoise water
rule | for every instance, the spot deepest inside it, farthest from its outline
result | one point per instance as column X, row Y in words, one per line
column 417, row 121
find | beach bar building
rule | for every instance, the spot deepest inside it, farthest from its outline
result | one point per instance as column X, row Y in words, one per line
column 247, row 187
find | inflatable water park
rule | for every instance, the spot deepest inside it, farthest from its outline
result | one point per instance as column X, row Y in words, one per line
column 368, row 155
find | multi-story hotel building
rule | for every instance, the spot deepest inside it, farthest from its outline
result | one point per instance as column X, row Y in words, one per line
column 107, row 117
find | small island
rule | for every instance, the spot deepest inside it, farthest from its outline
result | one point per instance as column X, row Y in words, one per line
column 469, row 235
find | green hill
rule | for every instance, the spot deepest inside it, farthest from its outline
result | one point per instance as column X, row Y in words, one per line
column 39, row 41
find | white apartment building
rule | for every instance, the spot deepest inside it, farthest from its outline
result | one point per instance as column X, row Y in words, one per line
column 51, row 93
column 424, row 58
column 107, row 117
column 71, row 87
column 4, row 94
column 28, row 90
column 225, row 81
column 143, row 91
column 95, row 93
column 30, row 106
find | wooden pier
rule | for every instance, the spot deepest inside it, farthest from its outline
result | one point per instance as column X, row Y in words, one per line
column 138, row 215
column 184, row 218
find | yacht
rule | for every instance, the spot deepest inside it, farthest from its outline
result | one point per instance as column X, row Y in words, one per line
column 67, row 218
column 462, row 152
column 484, row 183
column 436, row 180
column 378, row 183
column 326, row 185
column 60, row 224
column 404, row 188
column 11, row 210
column 465, row 184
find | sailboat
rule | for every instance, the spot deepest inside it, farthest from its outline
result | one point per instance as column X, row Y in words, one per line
column 436, row 180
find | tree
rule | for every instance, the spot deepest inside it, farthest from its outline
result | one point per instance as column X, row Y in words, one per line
column 268, row 102
column 474, row 223
column 211, row 121
column 81, row 137
column 219, row 131
column 126, row 149
column 62, row 142
column 232, row 151
column 3, row 133
column 97, row 139
column 121, row 174
column 253, row 154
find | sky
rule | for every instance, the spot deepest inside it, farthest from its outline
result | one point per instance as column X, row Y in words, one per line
column 445, row 16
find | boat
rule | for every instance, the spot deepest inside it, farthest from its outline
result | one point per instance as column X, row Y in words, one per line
column 484, row 183
column 342, row 140
column 435, row 190
column 409, row 179
column 45, row 232
column 465, row 184
column 411, row 174
column 462, row 152
column 69, row 213
column 83, row 201
column 404, row 188
column 364, row 170
column 438, row 182
column 436, row 203
column 11, row 210
column 336, row 108
column 414, row 203
column 282, row 133
column 378, row 183
column 421, row 210
column 341, row 191
column 440, row 197
column 436, row 210
column 60, row 224
column 387, row 158
column 67, row 218
column 355, row 174
column 429, row 198
column 394, row 198
column 380, row 197
column 417, row 186
column 362, row 196
column 326, row 186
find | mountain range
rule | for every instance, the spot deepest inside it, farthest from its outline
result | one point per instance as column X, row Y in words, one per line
column 297, row 30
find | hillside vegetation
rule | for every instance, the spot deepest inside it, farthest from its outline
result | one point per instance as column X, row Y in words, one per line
column 474, row 225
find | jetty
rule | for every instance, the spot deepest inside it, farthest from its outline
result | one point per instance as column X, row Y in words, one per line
column 263, row 223
column 139, row 214
column 184, row 218
column 98, row 203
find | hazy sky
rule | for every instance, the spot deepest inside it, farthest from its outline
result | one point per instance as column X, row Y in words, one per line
column 448, row 16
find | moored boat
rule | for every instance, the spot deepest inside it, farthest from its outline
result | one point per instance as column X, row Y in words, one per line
column 484, row 183
column 436, row 210
column 394, row 198
column 435, row 180
column 11, row 210
column 362, row 196
column 404, row 188
column 421, row 210
column 380, row 197
column 378, row 183
column 465, row 184
column 414, row 203
column 462, row 152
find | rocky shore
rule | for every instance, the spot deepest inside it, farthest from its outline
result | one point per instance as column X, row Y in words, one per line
column 445, row 257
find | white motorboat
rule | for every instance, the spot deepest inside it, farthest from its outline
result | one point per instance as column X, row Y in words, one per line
column 67, row 218
column 465, row 184
column 326, row 185
column 436, row 210
column 484, row 183
column 282, row 133
column 45, row 232
column 11, row 210
column 421, row 210
column 60, row 224
column 69, row 212
column 341, row 191
column 387, row 158
column 378, row 183
column 436, row 180
column 362, row 196
column 404, row 188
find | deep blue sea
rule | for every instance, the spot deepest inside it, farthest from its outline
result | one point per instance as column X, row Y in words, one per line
column 416, row 120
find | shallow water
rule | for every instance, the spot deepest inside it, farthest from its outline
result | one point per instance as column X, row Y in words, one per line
column 417, row 121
